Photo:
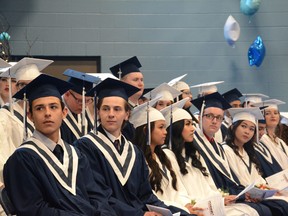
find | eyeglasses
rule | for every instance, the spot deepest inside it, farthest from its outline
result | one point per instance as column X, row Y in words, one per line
column 211, row 117
column 79, row 101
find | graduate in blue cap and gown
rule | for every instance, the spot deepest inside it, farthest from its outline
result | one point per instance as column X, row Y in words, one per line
column 128, row 71
column 77, row 123
column 121, row 164
column 211, row 115
column 45, row 175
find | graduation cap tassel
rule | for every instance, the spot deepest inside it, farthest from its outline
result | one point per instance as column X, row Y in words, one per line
column 201, row 117
column 148, row 125
column 95, row 113
column 246, row 103
column 170, row 129
column 25, row 134
column 257, row 132
column 120, row 73
column 83, row 112
column 10, row 94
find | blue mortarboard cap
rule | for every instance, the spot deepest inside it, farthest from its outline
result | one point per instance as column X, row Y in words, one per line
column 128, row 66
column 211, row 100
column 43, row 86
column 232, row 95
column 112, row 87
column 80, row 80
column 262, row 121
column 145, row 91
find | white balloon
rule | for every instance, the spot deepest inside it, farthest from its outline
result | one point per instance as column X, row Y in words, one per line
column 231, row 30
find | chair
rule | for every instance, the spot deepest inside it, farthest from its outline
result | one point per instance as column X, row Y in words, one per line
column 6, row 203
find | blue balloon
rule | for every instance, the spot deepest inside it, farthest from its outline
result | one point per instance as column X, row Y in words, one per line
column 256, row 52
column 249, row 7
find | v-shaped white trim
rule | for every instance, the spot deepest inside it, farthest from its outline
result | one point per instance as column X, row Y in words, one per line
column 72, row 128
column 20, row 110
column 64, row 167
column 261, row 149
column 208, row 145
column 121, row 158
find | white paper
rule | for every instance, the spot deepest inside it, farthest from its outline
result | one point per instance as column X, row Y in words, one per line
column 212, row 205
column 279, row 180
column 163, row 211
column 246, row 189
column 257, row 193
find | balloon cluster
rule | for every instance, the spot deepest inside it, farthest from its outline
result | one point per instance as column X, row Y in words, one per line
column 4, row 46
column 4, row 36
column 256, row 52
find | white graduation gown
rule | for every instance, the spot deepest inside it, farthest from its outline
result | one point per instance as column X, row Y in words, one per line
column 245, row 170
column 170, row 196
column 279, row 150
column 200, row 187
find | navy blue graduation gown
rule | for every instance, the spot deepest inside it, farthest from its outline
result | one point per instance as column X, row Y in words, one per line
column 35, row 190
column 131, row 187
column 265, row 207
column 128, row 131
column 269, row 166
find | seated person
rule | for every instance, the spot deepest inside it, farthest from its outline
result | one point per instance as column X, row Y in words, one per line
column 121, row 164
column 45, row 175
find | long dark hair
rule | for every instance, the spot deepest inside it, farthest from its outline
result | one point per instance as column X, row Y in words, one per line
column 178, row 144
column 248, row 147
column 155, row 175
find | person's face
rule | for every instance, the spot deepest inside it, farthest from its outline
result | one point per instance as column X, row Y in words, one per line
column 272, row 117
column 74, row 103
column 187, row 93
column 261, row 129
column 47, row 116
column 161, row 104
column 212, row 118
column 236, row 104
column 244, row 132
column 159, row 133
column 112, row 114
column 188, row 130
column 4, row 88
column 21, row 84
column 135, row 79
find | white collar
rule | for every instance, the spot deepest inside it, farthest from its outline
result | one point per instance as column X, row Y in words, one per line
column 46, row 141
column 111, row 137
